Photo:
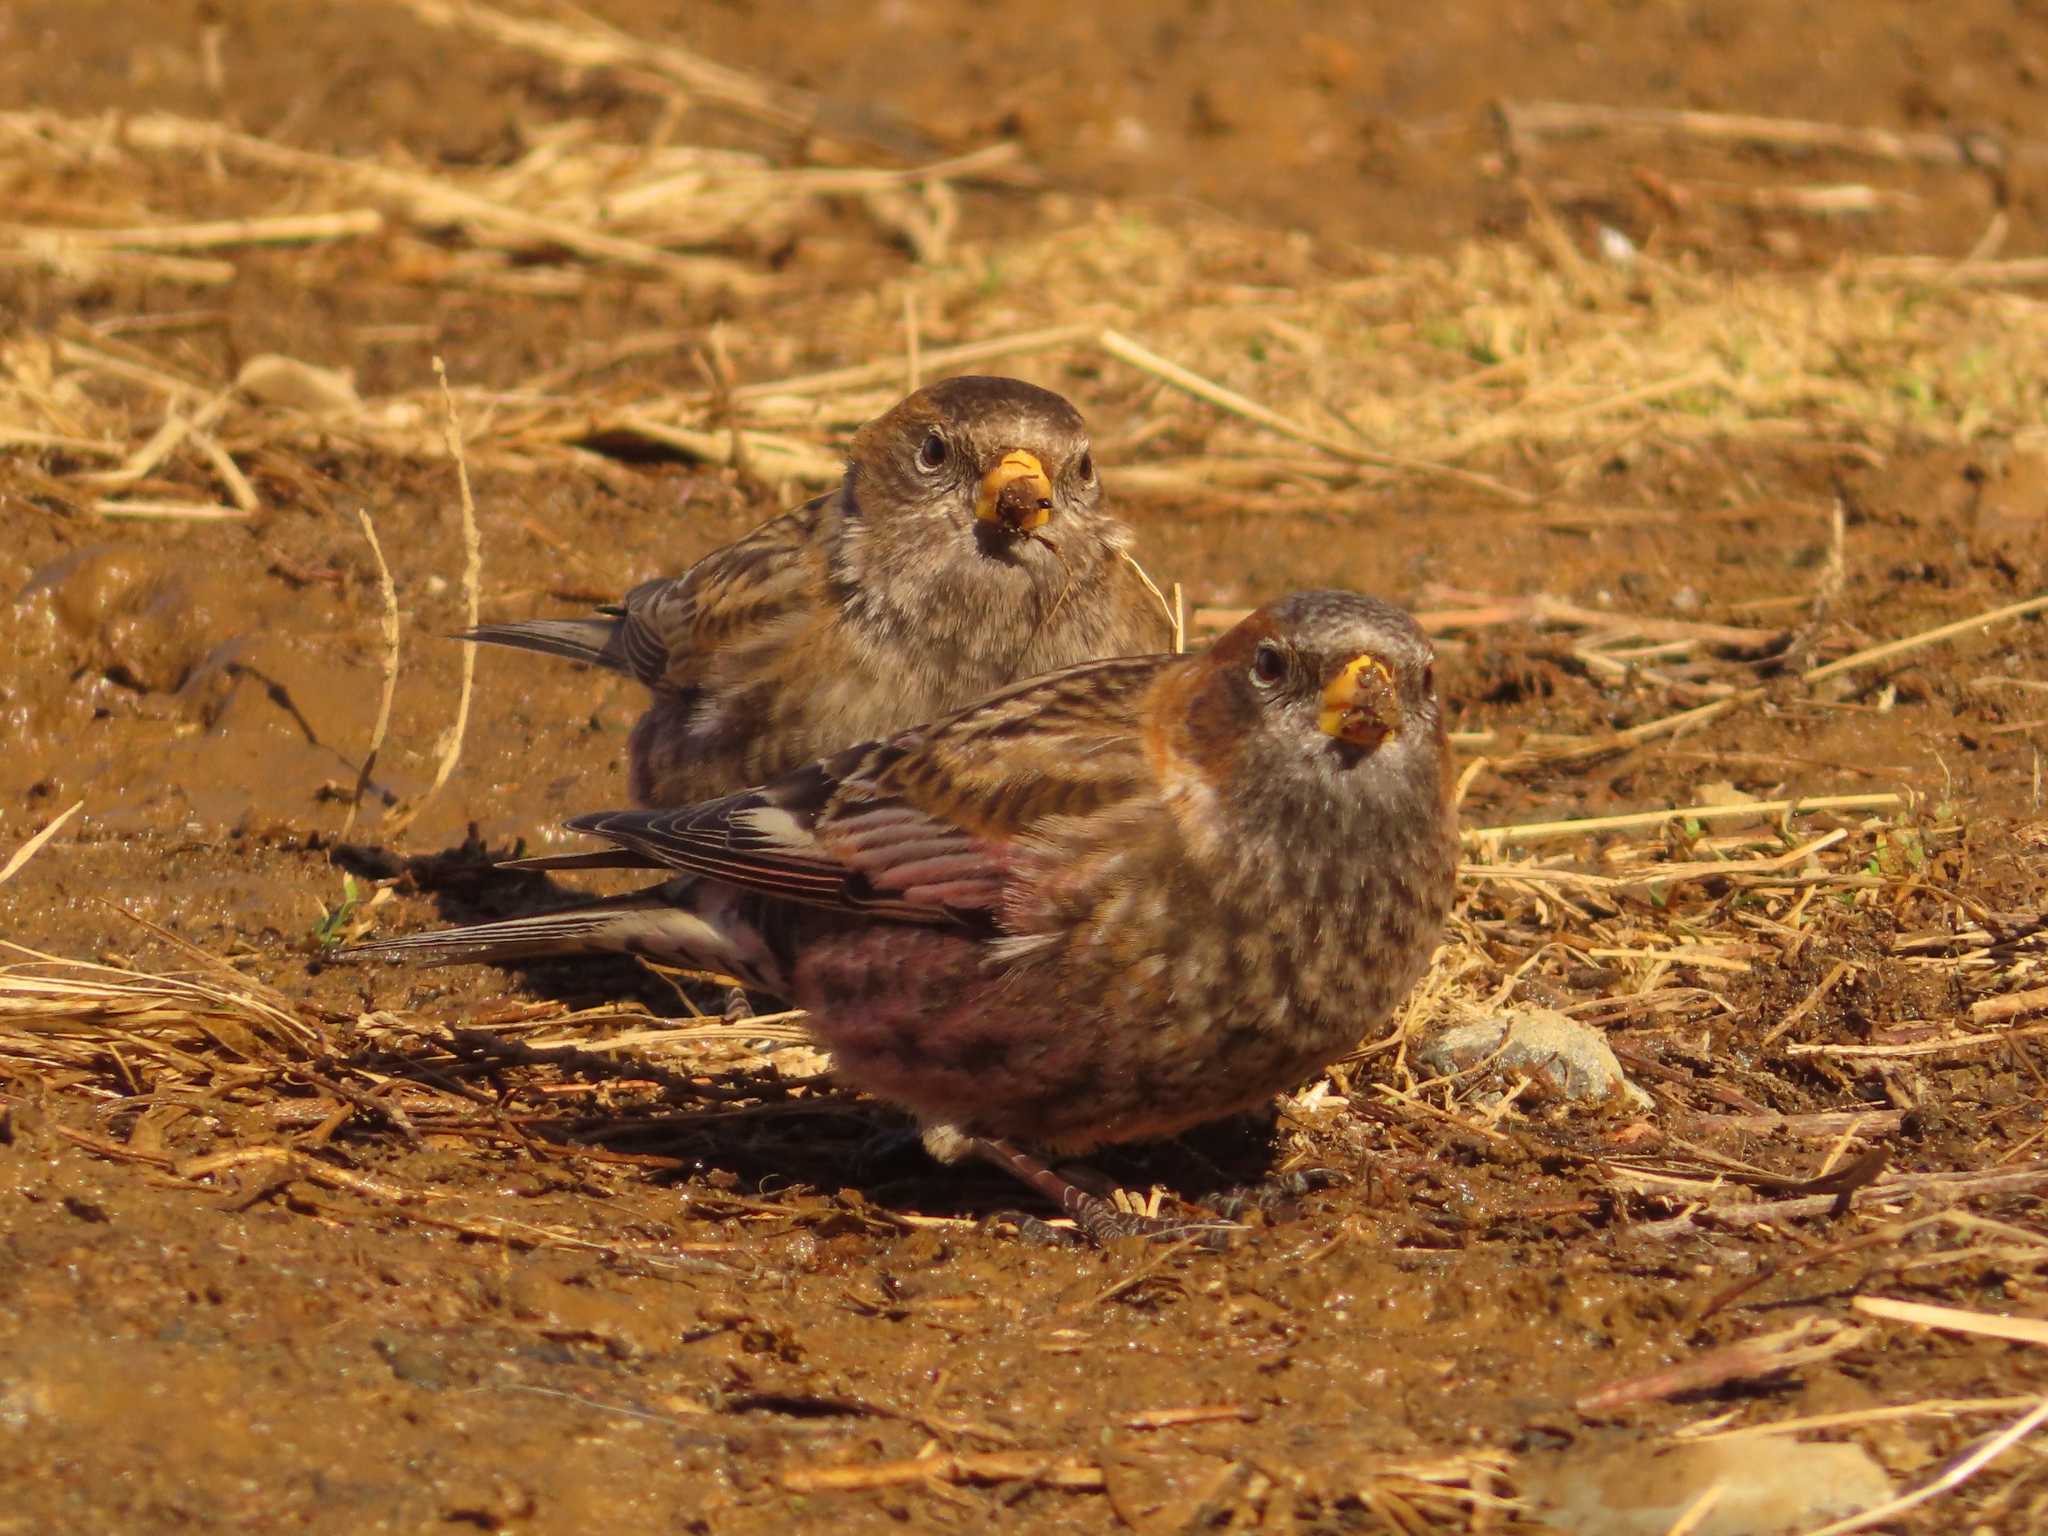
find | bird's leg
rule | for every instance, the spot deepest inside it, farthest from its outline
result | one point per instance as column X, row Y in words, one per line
column 1092, row 1180
column 1098, row 1218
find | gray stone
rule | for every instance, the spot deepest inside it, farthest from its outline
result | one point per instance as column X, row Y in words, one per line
column 1563, row 1059
column 1765, row 1487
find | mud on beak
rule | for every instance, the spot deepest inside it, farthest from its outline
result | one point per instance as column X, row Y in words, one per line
column 1361, row 705
column 1016, row 496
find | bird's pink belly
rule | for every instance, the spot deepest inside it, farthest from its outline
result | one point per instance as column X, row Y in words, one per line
column 913, row 1017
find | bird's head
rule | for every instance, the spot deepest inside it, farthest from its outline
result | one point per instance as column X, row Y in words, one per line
column 1324, row 692
column 991, row 461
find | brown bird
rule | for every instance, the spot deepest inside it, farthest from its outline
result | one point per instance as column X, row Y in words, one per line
column 1101, row 906
column 966, row 547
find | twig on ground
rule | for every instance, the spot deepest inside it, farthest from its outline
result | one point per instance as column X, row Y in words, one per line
column 34, row 845
column 1042, row 1468
column 2027, row 1330
column 590, row 44
column 472, row 598
column 388, row 591
column 1805, row 1342
column 1936, row 1046
column 936, row 360
column 1876, row 653
column 1957, row 1474
column 1588, row 749
column 1122, row 347
column 1544, row 831
column 1531, row 120
column 1934, row 1407
column 1754, row 1212
column 279, row 229
column 2019, row 271
column 2012, row 1005
column 169, row 511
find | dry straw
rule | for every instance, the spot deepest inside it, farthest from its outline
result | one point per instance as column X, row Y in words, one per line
column 450, row 751
column 388, row 591
column 1402, row 375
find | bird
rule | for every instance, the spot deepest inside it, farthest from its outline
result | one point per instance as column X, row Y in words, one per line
column 966, row 547
column 1104, row 905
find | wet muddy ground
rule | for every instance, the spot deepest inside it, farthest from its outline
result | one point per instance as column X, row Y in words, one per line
column 537, row 1250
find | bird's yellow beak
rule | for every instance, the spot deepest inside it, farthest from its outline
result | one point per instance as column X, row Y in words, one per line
column 1361, row 704
column 1015, row 496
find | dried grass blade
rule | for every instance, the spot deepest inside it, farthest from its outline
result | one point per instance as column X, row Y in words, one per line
column 34, row 845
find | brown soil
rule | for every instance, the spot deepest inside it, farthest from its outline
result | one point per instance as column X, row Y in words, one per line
column 430, row 1277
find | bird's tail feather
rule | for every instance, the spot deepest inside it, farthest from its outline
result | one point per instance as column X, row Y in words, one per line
column 690, row 923
column 588, row 640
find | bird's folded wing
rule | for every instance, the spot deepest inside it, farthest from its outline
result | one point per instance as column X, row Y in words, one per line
column 926, row 827
column 670, row 625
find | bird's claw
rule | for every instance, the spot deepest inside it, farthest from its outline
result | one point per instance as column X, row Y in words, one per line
column 1276, row 1198
column 1031, row 1229
column 1104, row 1223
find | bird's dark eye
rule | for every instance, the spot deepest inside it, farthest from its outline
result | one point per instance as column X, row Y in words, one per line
column 1268, row 665
column 931, row 453
column 1086, row 467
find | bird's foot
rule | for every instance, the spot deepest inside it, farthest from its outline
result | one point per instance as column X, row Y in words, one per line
column 1277, row 1198
column 1101, row 1220
column 1035, row 1230
column 1105, row 1222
